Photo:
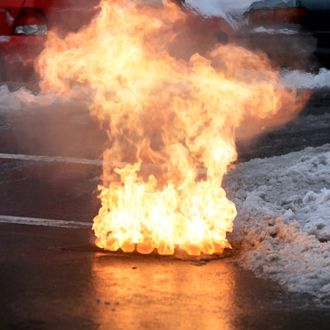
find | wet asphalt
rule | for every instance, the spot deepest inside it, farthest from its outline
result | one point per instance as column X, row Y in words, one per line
column 52, row 278
column 56, row 279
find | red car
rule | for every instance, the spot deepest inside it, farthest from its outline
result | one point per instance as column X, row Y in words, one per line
column 24, row 25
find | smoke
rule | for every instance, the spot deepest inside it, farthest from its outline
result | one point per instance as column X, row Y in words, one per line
column 23, row 98
column 306, row 80
column 49, row 123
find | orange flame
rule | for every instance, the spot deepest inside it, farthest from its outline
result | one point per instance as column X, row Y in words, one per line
column 179, row 116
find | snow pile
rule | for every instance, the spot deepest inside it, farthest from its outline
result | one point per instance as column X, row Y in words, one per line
column 219, row 7
column 307, row 80
column 283, row 223
column 230, row 10
column 319, row 205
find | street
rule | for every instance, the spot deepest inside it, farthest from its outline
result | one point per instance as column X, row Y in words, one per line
column 55, row 278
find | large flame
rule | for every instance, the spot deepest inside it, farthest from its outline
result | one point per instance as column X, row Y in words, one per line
column 172, row 121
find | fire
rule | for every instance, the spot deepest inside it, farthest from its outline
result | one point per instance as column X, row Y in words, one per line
column 172, row 121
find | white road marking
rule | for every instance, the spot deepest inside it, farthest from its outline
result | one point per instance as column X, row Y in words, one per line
column 74, row 160
column 52, row 159
column 43, row 222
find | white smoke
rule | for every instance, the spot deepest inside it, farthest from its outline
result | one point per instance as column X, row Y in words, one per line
column 306, row 80
column 19, row 99
column 24, row 99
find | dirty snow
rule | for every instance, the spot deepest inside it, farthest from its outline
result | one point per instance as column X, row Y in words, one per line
column 308, row 80
column 230, row 10
column 219, row 7
column 283, row 223
column 286, row 31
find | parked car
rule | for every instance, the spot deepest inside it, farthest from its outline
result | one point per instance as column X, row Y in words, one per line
column 24, row 25
column 291, row 32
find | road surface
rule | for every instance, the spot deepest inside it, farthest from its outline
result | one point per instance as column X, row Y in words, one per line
column 55, row 278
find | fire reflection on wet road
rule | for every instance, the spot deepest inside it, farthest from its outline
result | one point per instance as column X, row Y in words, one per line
column 58, row 280
column 141, row 292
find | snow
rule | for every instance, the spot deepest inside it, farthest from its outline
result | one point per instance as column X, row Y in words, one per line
column 219, row 7
column 283, row 224
column 286, row 31
column 301, row 79
column 231, row 10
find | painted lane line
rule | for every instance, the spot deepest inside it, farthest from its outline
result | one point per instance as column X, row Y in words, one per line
column 68, row 160
column 52, row 159
column 83, row 161
column 43, row 222
column 73, row 160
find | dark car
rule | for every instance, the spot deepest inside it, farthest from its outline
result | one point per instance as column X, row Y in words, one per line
column 294, row 33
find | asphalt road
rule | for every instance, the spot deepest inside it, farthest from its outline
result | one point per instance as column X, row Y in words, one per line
column 56, row 279
column 53, row 278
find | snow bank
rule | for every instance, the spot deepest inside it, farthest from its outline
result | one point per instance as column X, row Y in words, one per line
column 307, row 80
column 231, row 10
column 225, row 7
column 283, row 223
column 219, row 7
